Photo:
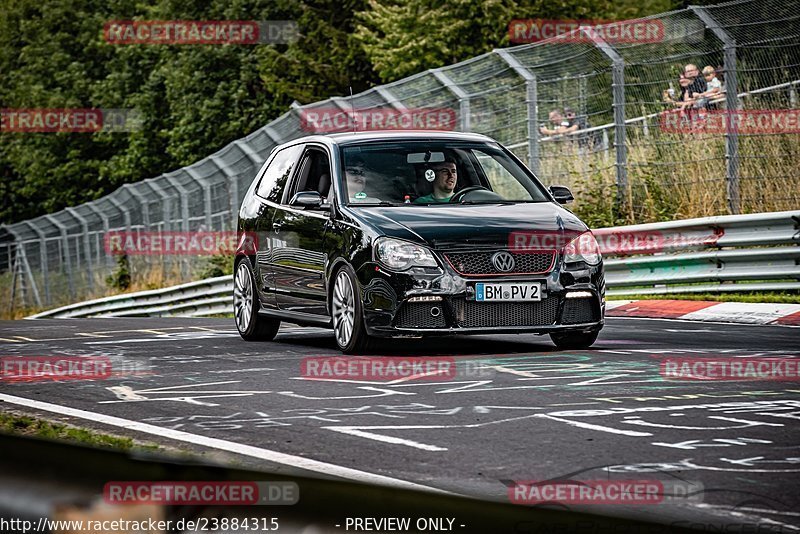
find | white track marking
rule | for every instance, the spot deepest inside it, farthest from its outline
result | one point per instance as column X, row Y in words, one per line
column 356, row 431
column 221, row 444
column 589, row 426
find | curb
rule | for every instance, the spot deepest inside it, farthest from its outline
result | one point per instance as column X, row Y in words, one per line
column 695, row 310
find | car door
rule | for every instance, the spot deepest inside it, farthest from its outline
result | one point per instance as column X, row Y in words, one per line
column 269, row 194
column 299, row 235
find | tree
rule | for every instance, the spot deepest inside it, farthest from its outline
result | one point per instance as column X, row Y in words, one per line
column 404, row 37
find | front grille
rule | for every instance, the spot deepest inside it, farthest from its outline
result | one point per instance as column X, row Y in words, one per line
column 480, row 263
column 418, row 315
column 472, row 314
column 578, row 311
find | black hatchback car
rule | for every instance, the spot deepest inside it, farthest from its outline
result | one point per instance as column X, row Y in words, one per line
column 408, row 234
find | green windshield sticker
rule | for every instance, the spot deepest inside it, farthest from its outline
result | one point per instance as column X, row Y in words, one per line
column 360, row 195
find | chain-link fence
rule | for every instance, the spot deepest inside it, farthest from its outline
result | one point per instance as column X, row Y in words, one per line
column 640, row 153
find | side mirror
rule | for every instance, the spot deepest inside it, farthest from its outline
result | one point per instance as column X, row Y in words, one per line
column 306, row 200
column 561, row 193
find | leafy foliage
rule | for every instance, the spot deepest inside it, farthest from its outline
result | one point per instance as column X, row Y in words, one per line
column 193, row 100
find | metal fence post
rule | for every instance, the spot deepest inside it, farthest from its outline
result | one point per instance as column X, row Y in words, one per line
column 731, row 105
column 392, row 100
column 531, row 104
column 106, row 228
column 67, row 260
column 233, row 181
column 620, row 137
column 206, row 185
column 86, row 245
column 458, row 92
column 45, row 268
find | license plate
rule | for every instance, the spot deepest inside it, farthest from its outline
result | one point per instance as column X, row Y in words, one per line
column 508, row 292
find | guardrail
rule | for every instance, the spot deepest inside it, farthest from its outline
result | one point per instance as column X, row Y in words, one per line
column 759, row 252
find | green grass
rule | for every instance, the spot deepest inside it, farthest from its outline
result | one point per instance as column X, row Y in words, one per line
column 41, row 428
column 780, row 297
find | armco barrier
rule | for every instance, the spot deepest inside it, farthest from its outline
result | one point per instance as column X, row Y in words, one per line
column 758, row 252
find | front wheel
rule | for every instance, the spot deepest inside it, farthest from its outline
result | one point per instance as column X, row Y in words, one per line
column 251, row 325
column 574, row 340
column 347, row 312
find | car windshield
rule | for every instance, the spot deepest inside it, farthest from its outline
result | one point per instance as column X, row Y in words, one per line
column 428, row 173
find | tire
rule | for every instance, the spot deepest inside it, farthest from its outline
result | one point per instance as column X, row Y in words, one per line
column 251, row 325
column 574, row 340
column 347, row 313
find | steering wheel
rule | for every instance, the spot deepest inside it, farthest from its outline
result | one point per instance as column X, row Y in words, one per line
column 458, row 197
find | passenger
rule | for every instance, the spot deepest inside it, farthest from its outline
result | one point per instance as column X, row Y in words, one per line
column 356, row 173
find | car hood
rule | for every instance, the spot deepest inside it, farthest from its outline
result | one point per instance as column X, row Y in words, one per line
column 470, row 225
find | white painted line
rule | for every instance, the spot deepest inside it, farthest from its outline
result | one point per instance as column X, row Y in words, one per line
column 224, row 445
column 611, row 304
column 356, row 431
column 738, row 312
column 589, row 426
column 720, row 322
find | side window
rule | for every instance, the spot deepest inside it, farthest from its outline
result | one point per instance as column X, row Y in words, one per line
column 313, row 174
column 278, row 173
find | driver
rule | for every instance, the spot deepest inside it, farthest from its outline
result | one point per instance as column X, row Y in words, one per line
column 444, row 182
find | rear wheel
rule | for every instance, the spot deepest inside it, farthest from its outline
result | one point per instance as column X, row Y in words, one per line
column 251, row 325
column 347, row 312
column 574, row 340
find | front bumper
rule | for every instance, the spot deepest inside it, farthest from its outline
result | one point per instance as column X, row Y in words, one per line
column 441, row 302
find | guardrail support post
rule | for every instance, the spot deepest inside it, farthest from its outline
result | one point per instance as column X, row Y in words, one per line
column 731, row 105
column 620, row 136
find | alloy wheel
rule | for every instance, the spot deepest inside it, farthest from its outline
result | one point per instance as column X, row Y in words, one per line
column 243, row 297
column 343, row 308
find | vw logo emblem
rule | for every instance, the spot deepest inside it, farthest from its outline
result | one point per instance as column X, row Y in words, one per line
column 503, row 261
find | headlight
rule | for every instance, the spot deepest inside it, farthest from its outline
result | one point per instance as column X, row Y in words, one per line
column 583, row 248
column 400, row 255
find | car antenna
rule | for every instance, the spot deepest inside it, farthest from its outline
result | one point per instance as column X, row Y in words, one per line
column 353, row 109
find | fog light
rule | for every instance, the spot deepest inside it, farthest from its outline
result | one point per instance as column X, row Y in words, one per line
column 579, row 295
column 424, row 299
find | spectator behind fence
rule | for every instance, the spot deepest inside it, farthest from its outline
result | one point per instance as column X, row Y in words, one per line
column 579, row 123
column 562, row 125
column 697, row 87
column 685, row 99
column 715, row 92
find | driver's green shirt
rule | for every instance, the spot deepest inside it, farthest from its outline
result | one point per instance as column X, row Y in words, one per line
column 430, row 199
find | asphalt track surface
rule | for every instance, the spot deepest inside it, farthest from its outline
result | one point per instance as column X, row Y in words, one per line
column 517, row 409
